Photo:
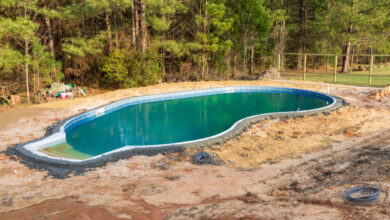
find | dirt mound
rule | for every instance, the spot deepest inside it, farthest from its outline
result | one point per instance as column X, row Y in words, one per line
column 380, row 94
column 270, row 74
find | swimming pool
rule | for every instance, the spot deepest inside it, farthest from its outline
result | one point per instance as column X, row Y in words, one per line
column 154, row 124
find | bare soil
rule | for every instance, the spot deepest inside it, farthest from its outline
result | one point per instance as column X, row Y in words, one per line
column 280, row 169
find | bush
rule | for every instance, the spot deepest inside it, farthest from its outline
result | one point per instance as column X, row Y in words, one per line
column 129, row 68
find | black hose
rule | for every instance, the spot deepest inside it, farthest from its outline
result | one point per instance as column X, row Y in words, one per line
column 350, row 193
column 363, row 195
column 204, row 158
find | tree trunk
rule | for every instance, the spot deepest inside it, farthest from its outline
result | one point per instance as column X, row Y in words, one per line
column 227, row 61
column 51, row 43
column 34, row 81
column 134, row 23
column 352, row 58
column 282, row 43
column 302, row 32
column 203, row 64
column 116, row 29
column 109, row 34
column 26, row 45
column 244, row 68
column 144, row 29
column 327, row 64
column 204, row 56
column 347, row 50
column 163, row 56
column 280, row 39
column 313, row 62
column 38, row 77
column 227, row 71
column 252, row 60
column 234, row 64
column 327, row 58
column 26, row 48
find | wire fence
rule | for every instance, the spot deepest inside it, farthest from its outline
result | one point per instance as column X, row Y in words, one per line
column 362, row 69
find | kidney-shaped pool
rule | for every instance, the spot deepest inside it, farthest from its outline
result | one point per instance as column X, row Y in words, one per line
column 152, row 124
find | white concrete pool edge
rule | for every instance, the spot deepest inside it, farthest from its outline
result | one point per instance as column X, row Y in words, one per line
column 59, row 136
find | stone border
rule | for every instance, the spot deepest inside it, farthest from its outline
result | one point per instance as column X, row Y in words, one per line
column 61, row 168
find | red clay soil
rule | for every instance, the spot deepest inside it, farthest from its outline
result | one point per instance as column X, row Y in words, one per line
column 66, row 208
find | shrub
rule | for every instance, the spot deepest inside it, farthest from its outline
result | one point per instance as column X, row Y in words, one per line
column 129, row 68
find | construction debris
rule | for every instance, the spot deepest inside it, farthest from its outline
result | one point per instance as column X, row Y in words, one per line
column 15, row 99
column 4, row 101
column 62, row 91
column 66, row 95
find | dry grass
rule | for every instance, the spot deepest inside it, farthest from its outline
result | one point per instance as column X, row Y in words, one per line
column 273, row 141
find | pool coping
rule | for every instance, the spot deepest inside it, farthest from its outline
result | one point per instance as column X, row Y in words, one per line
column 61, row 167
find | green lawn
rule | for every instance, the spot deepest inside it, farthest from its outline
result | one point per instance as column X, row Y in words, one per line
column 380, row 78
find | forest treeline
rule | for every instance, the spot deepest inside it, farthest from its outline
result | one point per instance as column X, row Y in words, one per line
column 125, row 43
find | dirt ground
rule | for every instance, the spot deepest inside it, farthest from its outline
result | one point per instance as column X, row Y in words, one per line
column 279, row 169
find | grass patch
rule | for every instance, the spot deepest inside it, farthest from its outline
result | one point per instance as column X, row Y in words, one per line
column 380, row 77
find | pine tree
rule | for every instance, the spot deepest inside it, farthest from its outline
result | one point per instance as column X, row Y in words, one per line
column 21, row 28
column 252, row 23
column 212, row 24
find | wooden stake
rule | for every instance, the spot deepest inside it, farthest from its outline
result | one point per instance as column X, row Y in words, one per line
column 371, row 70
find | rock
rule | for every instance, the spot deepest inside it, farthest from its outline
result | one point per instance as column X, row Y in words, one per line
column 270, row 74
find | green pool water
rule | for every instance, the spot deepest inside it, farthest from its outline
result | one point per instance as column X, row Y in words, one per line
column 174, row 121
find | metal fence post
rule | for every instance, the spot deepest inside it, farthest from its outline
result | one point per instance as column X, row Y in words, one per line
column 335, row 69
column 304, row 67
column 279, row 60
column 371, row 70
